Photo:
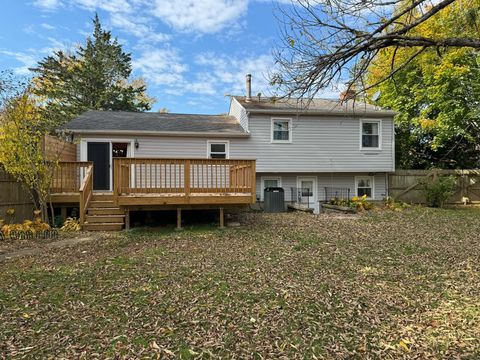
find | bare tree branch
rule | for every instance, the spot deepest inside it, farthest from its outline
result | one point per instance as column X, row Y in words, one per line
column 324, row 40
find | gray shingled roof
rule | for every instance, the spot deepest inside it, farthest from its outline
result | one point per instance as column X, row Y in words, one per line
column 145, row 122
column 313, row 106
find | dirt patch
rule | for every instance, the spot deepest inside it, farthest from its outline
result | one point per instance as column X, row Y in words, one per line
column 35, row 247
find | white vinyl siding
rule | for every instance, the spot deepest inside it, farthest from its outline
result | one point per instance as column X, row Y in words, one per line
column 239, row 112
column 339, row 180
column 321, row 145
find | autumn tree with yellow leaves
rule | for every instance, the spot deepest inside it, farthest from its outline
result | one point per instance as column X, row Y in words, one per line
column 435, row 90
column 22, row 128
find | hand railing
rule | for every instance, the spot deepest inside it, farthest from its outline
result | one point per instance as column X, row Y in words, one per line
column 186, row 176
column 86, row 191
column 67, row 177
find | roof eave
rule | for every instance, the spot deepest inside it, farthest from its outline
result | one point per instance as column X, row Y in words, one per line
column 158, row 133
column 376, row 113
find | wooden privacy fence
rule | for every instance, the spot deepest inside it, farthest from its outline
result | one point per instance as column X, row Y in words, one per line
column 56, row 149
column 137, row 175
column 406, row 185
column 14, row 196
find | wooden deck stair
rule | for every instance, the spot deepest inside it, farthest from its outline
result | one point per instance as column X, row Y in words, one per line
column 103, row 215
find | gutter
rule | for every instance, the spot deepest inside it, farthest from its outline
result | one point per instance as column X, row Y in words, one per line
column 159, row 133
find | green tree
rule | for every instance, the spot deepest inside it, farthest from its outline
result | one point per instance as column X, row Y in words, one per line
column 436, row 92
column 95, row 76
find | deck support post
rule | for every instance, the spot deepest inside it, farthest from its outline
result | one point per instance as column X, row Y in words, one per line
column 222, row 218
column 63, row 213
column 179, row 219
column 127, row 219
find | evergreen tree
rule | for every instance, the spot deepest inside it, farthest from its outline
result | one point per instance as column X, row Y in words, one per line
column 95, row 76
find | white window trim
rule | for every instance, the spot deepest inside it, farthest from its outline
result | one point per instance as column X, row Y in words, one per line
column 84, row 152
column 372, row 181
column 227, row 147
column 290, row 131
column 262, row 183
column 379, row 122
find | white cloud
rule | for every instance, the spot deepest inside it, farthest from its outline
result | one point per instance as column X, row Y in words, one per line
column 229, row 72
column 166, row 68
column 111, row 6
column 161, row 66
column 138, row 28
column 47, row 26
column 27, row 61
column 205, row 16
column 48, row 4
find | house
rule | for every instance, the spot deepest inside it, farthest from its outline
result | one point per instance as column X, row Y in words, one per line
column 314, row 151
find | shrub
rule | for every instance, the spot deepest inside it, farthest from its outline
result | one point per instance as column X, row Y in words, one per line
column 34, row 226
column 359, row 203
column 395, row 205
column 340, row 202
column 71, row 224
column 438, row 191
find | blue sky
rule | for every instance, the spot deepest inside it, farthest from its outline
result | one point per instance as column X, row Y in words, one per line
column 190, row 52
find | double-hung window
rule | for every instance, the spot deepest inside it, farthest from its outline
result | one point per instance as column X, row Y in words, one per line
column 282, row 130
column 370, row 131
column 218, row 149
column 364, row 186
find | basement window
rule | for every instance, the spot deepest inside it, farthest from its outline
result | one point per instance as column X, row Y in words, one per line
column 364, row 186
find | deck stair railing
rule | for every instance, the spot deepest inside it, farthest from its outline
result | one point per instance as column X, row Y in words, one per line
column 86, row 193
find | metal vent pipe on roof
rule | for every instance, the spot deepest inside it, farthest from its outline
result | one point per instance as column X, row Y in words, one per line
column 248, row 87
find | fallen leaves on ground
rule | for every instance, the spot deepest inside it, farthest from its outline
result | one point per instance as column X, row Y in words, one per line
column 383, row 285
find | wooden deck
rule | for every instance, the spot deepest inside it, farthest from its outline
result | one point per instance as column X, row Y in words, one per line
column 153, row 183
column 183, row 181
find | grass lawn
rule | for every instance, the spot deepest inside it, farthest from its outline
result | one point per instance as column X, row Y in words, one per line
column 383, row 285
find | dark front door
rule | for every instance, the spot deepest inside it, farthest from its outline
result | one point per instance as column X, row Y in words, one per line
column 99, row 154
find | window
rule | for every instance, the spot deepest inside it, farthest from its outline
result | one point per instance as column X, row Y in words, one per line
column 364, row 186
column 370, row 134
column 218, row 149
column 270, row 183
column 282, row 130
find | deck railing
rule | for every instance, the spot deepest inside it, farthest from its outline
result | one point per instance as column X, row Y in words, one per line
column 185, row 176
column 68, row 176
